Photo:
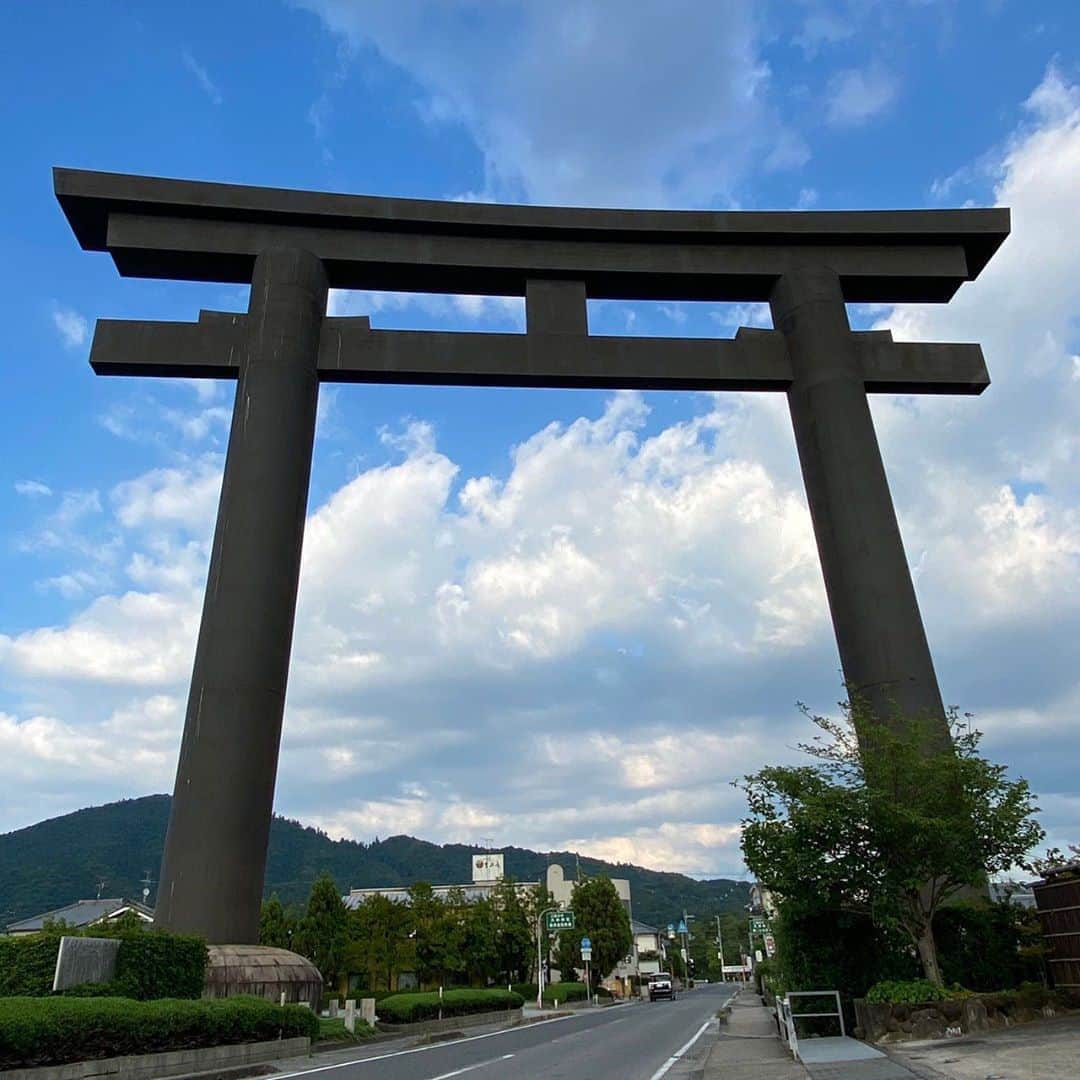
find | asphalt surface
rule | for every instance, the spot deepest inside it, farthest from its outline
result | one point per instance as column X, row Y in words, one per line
column 629, row 1042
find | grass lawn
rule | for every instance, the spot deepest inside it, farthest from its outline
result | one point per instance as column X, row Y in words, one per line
column 334, row 1030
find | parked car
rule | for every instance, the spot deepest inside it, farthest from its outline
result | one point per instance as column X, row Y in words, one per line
column 661, row 985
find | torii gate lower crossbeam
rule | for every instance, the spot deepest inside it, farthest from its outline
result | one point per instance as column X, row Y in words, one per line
column 294, row 245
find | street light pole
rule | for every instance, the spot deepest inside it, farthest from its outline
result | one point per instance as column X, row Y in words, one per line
column 540, row 958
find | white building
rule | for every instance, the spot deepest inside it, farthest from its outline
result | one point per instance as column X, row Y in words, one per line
column 487, row 872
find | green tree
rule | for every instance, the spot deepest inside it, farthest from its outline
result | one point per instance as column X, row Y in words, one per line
column 277, row 927
column 514, row 935
column 322, row 935
column 429, row 946
column 379, row 932
column 876, row 825
column 481, row 949
column 601, row 917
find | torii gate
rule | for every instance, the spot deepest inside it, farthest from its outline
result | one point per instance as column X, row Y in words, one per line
column 291, row 246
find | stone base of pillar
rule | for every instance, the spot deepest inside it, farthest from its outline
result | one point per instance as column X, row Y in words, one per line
column 262, row 971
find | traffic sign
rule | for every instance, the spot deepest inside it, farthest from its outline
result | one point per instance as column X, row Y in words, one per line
column 770, row 945
column 560, row 920
column 586, row 943
column 586, row 954
column 758, row 925
column 682, row 927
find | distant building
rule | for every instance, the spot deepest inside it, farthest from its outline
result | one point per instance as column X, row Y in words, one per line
column 83, row 913
column 487, row 873
column 647, row 941
column 1012, row 892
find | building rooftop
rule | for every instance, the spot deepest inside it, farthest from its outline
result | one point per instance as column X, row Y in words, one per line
column 81, row 913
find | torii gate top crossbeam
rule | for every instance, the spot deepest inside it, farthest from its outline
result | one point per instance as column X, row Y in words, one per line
column 191, row 230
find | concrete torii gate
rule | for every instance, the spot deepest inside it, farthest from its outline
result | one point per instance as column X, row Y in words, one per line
column 291, row 246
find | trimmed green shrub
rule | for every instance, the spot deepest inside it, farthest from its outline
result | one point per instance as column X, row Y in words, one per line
column 565, row 991
column 27, row 965
column 52, row 1031
column 526, row 990
column 904, row 992
column 155, row 964
column 150, row 964
column 411, row 1008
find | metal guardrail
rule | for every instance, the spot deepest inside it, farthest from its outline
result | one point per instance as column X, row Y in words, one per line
column 788, row 1017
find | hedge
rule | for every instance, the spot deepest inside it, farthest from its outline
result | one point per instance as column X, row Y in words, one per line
column 150, row 964
column 53, row 1031
column 905, row 992
column 526, row 990
column 410, row 1008
column 565, row 991
column 27, row 965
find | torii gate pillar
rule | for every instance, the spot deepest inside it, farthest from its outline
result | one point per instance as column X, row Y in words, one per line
column 219, row 828
column 879, row 631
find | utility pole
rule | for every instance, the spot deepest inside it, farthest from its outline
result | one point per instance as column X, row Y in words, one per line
column 686, row 946
column 720, row 946
column 146, row 882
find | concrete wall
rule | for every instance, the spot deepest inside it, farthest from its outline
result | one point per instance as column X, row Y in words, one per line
column 169, row 1063
column 452, row 1023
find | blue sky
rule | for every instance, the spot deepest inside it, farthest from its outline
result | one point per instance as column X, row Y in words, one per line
column 519, row 607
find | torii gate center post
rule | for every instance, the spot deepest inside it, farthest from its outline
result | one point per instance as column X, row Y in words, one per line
column 291, row 246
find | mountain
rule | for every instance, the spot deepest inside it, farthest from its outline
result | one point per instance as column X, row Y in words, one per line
column 63, row 859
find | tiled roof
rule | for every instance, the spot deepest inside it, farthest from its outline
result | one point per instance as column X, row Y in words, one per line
column 81, row 913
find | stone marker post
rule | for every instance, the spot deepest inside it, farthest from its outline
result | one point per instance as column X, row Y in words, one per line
column 367, row 1010
column 350, row 1015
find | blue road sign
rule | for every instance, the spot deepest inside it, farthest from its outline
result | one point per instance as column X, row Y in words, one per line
column 586, row 943
column 682, row 927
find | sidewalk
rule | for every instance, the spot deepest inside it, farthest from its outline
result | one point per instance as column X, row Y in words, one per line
column 747, row 1046
column 1042, row 1050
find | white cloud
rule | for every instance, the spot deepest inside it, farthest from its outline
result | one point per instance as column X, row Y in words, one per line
column 563, row 108
column 857, row 94
column 73, row 328
column 32, row 489
column 581, row 648
column 202, row 77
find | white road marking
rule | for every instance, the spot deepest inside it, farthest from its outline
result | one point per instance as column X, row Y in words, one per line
column 469, row 1068
column 666, row 1067
column 422, row 1049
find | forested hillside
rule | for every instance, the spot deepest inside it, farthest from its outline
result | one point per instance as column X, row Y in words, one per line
column 63, row 859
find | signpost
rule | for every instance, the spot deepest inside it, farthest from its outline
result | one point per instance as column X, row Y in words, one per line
column 586, row 955
column 758, row 925
column 560, row 920
column 770, row 945
column 551, row 919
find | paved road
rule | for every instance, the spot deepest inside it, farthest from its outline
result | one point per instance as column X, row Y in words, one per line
column 631, row 1042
